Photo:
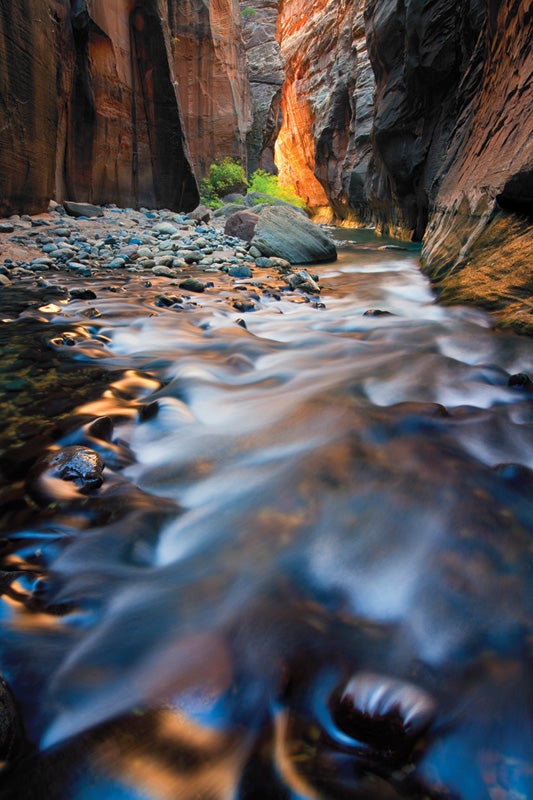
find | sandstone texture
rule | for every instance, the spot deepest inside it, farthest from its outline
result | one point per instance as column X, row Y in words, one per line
column 209, row 67
column 324, row 143
column 479, row 240
column 28, row 106
column 266, row 75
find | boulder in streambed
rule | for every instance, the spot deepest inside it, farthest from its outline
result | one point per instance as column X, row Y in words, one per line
column 241, row 224
column 283, row 232
column 82, row 209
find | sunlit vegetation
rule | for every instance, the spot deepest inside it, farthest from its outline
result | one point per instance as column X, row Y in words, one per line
column 228, row 176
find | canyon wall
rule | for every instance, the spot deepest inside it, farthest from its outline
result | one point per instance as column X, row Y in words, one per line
column 415, row 116
column 124, row 101
column 28, row 106
column 208, row 62
column 323, row 148
column 453, row 147
column 266, row 75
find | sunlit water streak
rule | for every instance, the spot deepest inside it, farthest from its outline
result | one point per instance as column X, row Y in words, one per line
column 327, row 497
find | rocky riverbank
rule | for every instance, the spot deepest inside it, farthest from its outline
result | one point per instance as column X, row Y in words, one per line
column 177, row 258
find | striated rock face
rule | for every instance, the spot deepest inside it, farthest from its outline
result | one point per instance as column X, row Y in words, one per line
column 426, row 57
column 28, row 106
column 266, row 74
column 324, row 142
column 122, row 128
column 119, row 100
column 479, row 240
column 452, row 143
column 210, row 69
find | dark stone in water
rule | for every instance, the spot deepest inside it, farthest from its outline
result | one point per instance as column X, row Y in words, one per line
column 387, row 714
column 149, row 411
column 76, row 465
column 10, row 726
column 244, row 305
column 82, row 294
column 377, row 312
column 521, row 380
column 101, row 428
column 192, row 285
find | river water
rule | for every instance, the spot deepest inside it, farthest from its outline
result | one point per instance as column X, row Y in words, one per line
column 308, row 571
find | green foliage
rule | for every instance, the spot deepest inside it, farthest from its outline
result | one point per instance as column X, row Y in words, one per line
column 248, row 12
column 266, row 183
column 224, row 177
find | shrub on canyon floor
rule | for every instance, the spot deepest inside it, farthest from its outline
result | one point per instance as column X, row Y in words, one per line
column 266, row 183
column 225, row 177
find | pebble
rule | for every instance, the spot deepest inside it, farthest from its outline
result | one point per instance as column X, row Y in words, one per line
column 165, row 271
column 116, row 263
column 165, row 227
column 6, row 227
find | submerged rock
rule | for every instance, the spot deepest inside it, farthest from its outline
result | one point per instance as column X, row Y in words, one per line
column 65, row 474
column 10, row 727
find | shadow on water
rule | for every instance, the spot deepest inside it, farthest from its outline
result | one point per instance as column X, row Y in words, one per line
column 304, row 566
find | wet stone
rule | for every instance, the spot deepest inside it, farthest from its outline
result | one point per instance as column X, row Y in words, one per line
column 240, row 272
column 78, row 466
column 82, row 294
column 192, row 285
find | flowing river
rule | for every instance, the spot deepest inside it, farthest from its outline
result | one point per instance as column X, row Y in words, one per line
column 308, row 570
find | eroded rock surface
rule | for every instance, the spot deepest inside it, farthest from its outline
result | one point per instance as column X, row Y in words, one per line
column 324, row 144
column 210, row 71
column 266, row 74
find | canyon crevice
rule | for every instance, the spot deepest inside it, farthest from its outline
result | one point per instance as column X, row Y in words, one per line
column 415, row 117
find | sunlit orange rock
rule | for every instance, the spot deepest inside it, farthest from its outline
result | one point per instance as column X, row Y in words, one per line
column 324, row 143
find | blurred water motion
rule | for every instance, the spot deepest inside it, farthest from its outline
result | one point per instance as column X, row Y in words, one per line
column 308, row 571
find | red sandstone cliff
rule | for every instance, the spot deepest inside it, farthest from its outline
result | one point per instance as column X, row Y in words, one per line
column 209, row 66
column 323, row 147
column 118, row 100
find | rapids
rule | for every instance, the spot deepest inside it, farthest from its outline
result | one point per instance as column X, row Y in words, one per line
column 308, row 570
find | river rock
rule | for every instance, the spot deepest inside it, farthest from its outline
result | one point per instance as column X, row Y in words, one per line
column 283, row 232
column 240, row 271
column 165, row 228
column 64, row 474
column 82, row 209
column 303, row 281
column 192, row 285
column 10, row 727
column 241, row 224
column 200, row 214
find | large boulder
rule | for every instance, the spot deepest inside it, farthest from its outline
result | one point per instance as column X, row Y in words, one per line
column 283, row 232
column 241, row 224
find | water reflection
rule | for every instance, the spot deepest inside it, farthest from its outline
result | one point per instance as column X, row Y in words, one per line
column 307, row 572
